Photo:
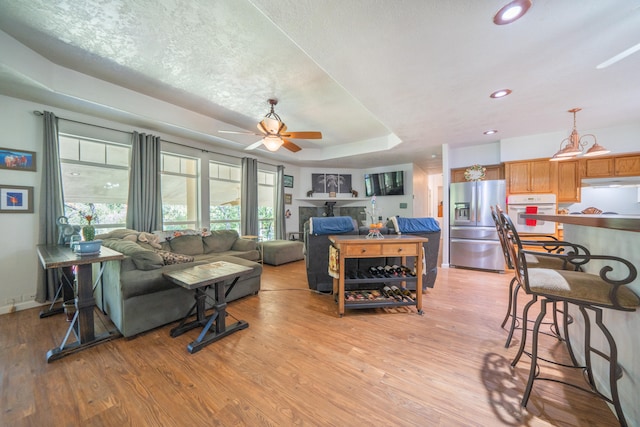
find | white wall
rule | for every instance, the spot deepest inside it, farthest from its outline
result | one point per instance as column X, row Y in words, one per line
column 620, row 200
column 482, row 154
column 18, row 260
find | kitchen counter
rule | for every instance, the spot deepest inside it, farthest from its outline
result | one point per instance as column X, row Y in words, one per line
column 615, row 222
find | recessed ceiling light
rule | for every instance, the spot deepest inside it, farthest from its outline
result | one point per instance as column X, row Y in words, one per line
column 75, row 174
column 500, row 93
column 490, row 132
column 511, row 12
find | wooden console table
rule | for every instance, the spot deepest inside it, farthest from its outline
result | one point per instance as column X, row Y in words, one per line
column 402, row 246
column 55, row 256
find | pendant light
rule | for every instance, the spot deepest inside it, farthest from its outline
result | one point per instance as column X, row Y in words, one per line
column 574, row 145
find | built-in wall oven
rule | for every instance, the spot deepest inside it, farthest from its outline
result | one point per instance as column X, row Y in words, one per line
column 544, row 204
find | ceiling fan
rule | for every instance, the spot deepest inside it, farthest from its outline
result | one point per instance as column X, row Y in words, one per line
column 274, row 133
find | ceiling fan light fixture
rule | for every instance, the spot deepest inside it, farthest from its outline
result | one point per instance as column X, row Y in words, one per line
column 272, row 125
column 272, row 142
column 511, row 12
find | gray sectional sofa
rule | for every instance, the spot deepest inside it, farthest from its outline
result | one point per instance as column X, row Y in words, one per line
column 138, row 298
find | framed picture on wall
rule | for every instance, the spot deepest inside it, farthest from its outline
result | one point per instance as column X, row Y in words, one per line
column 344, row 183
column 287, row 199
column 19, row 160
column 16, row 199
column 288, row 181
column 317, row 183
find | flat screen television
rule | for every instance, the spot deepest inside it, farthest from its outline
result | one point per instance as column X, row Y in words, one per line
column 384, row 184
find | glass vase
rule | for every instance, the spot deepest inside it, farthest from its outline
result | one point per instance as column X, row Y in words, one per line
column 88, row 232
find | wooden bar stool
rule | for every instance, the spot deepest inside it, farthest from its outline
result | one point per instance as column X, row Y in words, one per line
column 552, row 258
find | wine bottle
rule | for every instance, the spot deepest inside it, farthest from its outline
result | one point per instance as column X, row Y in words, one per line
column 397, row 293
column 373, row 271
column 407, row 294
column 387, row 292
column 408, row 272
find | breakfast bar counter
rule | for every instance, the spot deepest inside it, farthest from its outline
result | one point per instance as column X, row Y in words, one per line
column 617, row 235
column 613, row 222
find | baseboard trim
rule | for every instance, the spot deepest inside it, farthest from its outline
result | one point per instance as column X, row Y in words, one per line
column 26, row 305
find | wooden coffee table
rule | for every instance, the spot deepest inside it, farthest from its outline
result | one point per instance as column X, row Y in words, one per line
column 200, row 278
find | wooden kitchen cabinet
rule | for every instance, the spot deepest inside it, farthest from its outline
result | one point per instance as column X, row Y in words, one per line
column 611, row 166
column 568, row 181
column 626, row 165
column 491, row 172
column 597, row 167
column 531, row 176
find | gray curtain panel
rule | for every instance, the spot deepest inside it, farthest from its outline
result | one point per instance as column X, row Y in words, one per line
column 249, row 198
column 278, row 214
column 51, row 205
column 144, row 208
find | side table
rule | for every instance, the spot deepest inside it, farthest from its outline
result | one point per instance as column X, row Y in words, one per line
column 199, row 278
column 82, row 325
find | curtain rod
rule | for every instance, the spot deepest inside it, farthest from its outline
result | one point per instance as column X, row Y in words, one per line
column 40, row 113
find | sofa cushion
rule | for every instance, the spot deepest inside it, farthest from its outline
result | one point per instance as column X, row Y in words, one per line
column 219, row 241
column 174, row 258
column 187, row 245
column 144, row 259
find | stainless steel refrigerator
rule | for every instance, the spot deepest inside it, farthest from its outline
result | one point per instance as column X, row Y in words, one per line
column 473, row 240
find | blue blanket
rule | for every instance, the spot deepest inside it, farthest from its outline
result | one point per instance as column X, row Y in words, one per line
column 417, row 225
column 330, row 225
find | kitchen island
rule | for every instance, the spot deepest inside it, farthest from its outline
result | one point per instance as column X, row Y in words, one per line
column 617, row 235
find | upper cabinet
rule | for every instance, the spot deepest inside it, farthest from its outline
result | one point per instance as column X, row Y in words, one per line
column 569, row 181
column 491, row 172
column 610, row 166
column 597, row 167
column 626, row 165
column 531, row 176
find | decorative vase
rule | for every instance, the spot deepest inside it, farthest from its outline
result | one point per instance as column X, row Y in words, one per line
column 88, row 232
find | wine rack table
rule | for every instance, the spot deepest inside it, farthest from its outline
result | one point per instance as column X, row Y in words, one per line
column 403, row 246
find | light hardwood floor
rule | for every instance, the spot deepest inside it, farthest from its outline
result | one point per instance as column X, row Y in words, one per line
column 298, row 363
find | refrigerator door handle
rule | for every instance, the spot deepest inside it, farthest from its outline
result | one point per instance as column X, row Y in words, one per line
column 473, row 214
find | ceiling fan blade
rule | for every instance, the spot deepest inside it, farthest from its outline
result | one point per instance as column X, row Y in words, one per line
column 303, row 135
column 238, row 133
column 254, row 145
column 290, row 146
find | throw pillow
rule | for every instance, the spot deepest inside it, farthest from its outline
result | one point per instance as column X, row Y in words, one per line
column 173, row 258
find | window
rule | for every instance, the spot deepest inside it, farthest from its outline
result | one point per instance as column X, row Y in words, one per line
column 179, row 192
column 266, row 204
column 95, row 181
column 224, row 196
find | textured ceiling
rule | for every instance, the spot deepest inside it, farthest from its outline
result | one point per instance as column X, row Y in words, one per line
column 386, row 82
